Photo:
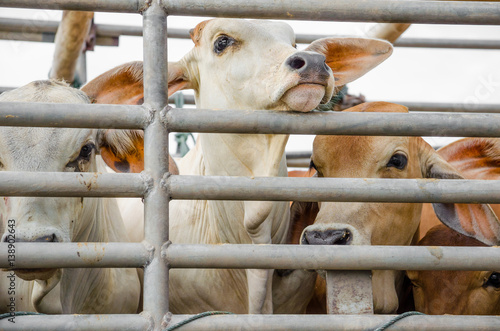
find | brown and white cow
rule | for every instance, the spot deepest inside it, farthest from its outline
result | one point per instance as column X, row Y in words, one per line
column 460, row 292
column 44, row 219
column 373, row 223
column 243, row 64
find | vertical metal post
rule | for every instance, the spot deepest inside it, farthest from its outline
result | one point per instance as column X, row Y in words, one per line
column 156, row 161
column 349, row 292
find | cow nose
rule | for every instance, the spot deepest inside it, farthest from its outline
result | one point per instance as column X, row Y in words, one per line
column 327, row 237
column 305, row 62
column 45, row 239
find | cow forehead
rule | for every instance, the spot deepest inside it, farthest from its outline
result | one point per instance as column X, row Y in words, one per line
column 246, row 30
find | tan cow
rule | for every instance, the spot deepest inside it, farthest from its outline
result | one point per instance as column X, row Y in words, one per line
column 44, row 219
column 373, row 223
column 460, row 292
column 240, row 64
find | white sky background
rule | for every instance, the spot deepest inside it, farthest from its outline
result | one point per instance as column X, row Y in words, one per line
column 410, row 74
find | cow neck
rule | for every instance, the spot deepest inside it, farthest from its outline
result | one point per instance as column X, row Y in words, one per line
column 100, row 222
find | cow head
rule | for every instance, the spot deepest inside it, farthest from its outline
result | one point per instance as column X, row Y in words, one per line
column 380, row 223
column 439, row 292
column 242, row 64
column 251, row 64
column 44, row 219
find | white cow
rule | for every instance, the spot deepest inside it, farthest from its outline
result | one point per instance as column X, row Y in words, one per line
column 42, row 219
column 241, row 64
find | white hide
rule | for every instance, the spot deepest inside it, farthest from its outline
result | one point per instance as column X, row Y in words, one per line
column 86, row 291
column 251, row 73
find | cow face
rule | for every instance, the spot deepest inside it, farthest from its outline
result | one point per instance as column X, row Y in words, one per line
column 43, row 219
column 383, row 223
column 454, row 292
column 241, row 64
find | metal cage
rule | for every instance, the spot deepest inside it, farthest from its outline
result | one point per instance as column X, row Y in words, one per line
column 157, row 186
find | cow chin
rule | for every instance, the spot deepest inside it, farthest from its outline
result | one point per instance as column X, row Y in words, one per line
column 304, row 97
column 32, row 274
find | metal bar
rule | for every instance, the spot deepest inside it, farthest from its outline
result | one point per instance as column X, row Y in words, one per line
column 332, row 257
column 74, row 255
column 71, row 184
column 338, row 123
column 156, row 162
column 451, row 107
column 334, row 189
column 113, row 32
column 118, row 322
column 349, row 292
column 72, row 115
column 118, row 6
column 47, row 37
column 338, row 322
column 448, row 43
column 388, row 11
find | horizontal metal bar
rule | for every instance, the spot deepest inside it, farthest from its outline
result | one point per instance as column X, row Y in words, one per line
column 115, row 31
column 73, row 115
column 334, row 189
column 74, row 255
column 332, row 257
column 338, row 322
column 448, row 43
column 450, row 107
column 434, row 12
column 298, row 163
column 71, row 184
column 118, row 322
column 338, row 123
column 119, row 6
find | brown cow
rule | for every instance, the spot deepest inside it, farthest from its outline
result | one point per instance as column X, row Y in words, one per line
column 454, row 292
column 377, row 223
column 459, row 292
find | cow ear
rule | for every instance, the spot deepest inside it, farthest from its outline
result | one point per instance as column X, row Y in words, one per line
column 124, row 84
column 351, row 58
column 473, row 220
column 123, row 151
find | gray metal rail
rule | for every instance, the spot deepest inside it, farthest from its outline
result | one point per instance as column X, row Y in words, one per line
column 108, row 35
column 389, row 11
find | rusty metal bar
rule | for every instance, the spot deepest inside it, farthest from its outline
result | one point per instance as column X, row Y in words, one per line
column 156, row 162
column 332, row 257
column 74, row 255
column 349, row 292
column 71, row 184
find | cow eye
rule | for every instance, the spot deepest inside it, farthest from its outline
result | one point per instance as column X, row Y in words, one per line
column 398, row 161
column 222, row 43
column 493, row 280
column 86, row 151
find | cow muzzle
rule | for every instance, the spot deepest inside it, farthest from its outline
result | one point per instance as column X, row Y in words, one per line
column 32, row 274
column 315, row 81
column 326, row 237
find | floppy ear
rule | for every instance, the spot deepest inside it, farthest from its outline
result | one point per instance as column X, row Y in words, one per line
column 123, row 151
column 351, row 58
column 473, row 220
column 124, row 84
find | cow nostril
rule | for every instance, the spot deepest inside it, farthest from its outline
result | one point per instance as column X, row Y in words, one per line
column 328, row 237
column 296, row 62
column 47, row 239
